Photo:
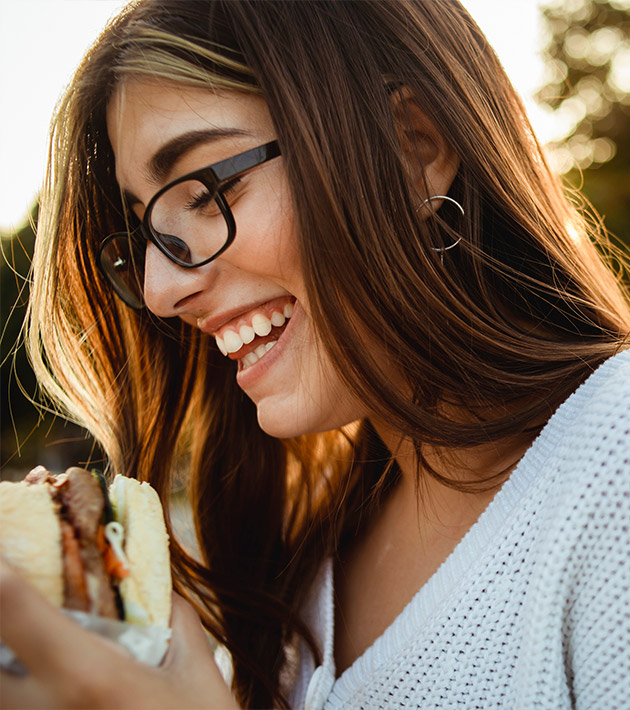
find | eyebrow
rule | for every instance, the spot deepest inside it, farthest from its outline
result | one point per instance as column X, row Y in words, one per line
column 163, row 160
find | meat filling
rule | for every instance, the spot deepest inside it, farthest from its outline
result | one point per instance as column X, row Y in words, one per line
column 75, row 591
column 86, row 583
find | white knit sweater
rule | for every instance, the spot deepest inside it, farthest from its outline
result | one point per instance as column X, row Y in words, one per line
column 532, row 609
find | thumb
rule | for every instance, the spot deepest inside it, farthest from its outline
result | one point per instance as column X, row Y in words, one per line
column 190, row 657
column 190, row 640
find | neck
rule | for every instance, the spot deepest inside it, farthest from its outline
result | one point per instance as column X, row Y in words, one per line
column 408, row 534
column 477, row 473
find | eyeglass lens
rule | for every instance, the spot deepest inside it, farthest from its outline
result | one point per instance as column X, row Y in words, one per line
column 122, row 260
column 187, row 221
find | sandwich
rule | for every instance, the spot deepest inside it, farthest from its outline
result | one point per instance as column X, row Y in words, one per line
column 87, row 547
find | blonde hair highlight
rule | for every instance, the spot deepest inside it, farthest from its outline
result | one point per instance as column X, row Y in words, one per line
column 519, row 314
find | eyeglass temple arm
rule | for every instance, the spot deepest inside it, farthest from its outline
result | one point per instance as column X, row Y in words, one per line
column 230, row 167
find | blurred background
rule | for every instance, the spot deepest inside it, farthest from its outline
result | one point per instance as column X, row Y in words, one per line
column 569, row 60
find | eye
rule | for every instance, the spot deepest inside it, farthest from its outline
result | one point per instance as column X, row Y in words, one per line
column 229, row 187
column 200, row 199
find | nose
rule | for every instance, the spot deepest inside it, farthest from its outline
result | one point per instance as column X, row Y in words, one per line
column 168, row 287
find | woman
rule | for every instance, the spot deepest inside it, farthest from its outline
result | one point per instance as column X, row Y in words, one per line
column 345, row 292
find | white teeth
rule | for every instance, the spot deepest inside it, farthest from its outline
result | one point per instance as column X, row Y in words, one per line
column 232, row 341
column 261, row 324
column 221, row 345
column 249, row 359
column 247, row 334
column 277, row 319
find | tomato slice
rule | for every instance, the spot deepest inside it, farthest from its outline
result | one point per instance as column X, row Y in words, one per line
column 114, row 566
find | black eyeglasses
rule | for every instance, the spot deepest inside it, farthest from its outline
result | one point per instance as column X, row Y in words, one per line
column 189, row 221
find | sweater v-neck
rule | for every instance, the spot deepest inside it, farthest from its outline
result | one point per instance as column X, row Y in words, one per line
column 471, row 554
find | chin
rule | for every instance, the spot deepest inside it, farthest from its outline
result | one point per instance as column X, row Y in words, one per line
column 283, row 427
column 288, row 422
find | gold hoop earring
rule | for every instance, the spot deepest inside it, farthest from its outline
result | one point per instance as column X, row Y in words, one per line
column 459, row 207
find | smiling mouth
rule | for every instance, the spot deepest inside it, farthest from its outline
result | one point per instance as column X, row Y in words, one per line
column 252, row 335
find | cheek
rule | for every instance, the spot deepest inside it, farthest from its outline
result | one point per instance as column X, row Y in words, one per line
column 310, row 396
column 266, row 241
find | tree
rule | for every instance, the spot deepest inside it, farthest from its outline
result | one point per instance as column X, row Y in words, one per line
column 588, row 67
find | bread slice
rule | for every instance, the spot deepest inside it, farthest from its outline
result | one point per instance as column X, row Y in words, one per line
column 147, row 591
column 30, row 537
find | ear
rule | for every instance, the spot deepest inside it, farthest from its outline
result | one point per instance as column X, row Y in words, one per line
column 431, row 162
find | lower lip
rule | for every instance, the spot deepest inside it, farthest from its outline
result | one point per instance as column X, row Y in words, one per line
column 247, row 377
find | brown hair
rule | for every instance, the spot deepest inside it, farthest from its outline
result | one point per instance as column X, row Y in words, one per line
column 520, row 313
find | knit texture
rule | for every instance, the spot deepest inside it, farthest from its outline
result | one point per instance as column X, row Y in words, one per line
column 532, row 608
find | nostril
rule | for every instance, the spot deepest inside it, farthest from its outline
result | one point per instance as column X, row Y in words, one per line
column 186, row 304
column 171, row 290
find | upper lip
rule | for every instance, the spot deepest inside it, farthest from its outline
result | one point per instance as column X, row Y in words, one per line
column 210, row 324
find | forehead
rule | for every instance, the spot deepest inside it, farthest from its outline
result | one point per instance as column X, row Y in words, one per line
column 143, row 116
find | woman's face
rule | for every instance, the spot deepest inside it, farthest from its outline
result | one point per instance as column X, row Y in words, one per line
column 252, row 297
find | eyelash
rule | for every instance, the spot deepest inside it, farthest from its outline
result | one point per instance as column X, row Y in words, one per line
column 224, row 190
column 230, row 186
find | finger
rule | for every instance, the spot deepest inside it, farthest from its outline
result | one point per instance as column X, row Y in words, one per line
column 17, row 692
column 189, row 637
column 191, row 657
column 41, row 636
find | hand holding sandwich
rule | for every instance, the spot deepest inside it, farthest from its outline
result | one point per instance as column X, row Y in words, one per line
column 69, row 667
column 68, row 541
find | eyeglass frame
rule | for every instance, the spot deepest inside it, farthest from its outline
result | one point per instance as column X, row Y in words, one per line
column 211, row 177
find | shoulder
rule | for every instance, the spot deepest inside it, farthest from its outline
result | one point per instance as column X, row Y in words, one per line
column 601, row 398
column 591, row 429
column 581, row 504
column 583, row 527
column 578, row 472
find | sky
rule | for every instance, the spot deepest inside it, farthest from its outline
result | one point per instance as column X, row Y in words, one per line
column 60, row 31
